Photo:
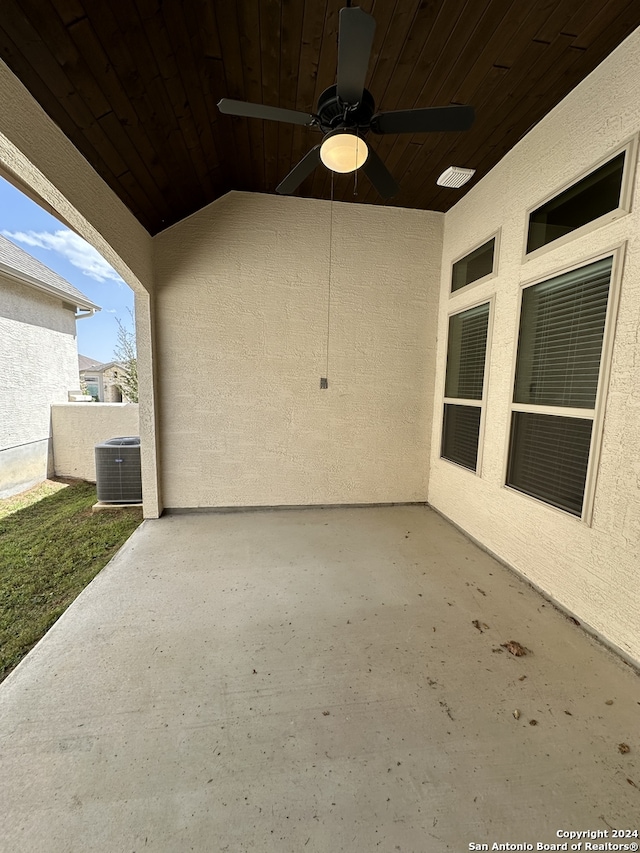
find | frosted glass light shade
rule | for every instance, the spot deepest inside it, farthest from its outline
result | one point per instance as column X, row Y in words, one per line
column 344, row 152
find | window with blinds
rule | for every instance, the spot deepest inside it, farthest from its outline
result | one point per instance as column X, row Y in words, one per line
column 474, row 266
column 562, row 324
column 588, row 199
column 464, row 386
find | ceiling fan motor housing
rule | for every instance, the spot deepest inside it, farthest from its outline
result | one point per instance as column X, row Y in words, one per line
column 346, row 112
column 333, row 113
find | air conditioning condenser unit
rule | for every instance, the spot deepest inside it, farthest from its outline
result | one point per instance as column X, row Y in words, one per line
column 118, row 475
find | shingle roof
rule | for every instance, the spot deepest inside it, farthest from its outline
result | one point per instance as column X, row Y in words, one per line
column 86, row 363
column 20, row 264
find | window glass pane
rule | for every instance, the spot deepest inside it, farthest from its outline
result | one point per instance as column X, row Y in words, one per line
column 548, row 458
column 466, row 351
column 460, row 431
column 561, row 330
column 585, row 201
column 473, row 266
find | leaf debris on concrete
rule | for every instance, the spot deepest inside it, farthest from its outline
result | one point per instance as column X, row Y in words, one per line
column 623, row 748
column 515, row 648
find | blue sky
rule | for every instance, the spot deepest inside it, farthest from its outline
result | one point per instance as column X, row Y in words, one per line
column 48, row 240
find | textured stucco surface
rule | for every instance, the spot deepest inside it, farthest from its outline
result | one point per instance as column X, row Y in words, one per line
column 148, row 383
column 24, row 466
column 78, row 427
column 593, row 571
column 242, row 325
column 38, row 366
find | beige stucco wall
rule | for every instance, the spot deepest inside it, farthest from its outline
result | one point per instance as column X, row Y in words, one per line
column 77, row 428
column 593, row 571
column 38, row 366
column 242, row 325
column 37, row 157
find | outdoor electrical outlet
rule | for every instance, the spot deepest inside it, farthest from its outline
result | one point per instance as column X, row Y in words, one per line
column 324, row 382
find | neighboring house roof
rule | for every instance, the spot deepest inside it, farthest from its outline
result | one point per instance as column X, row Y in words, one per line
column 18, row 264
column 88, row 364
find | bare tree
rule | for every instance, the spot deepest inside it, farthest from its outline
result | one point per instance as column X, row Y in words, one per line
column 125, row 353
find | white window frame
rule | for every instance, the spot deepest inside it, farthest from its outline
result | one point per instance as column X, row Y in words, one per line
column 457, row 401
column 630, row 146
column 494, row 272
column 596, row 415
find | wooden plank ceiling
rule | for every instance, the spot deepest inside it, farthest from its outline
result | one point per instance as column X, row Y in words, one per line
column 134, row 85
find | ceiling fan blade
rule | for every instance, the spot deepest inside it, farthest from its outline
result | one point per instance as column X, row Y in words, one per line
column 379, row 175
column 297, row 175
column 427, row 120
column 244, row 108
column 355, row 38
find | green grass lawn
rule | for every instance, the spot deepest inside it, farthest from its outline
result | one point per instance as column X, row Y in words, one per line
column 51, row 546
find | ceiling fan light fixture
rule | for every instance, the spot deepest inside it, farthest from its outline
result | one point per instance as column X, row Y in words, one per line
column 455, row 176
column 343, row 151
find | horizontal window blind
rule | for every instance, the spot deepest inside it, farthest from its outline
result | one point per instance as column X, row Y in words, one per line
column 562, row 324
column 560, row 342
column 464, row 380
column 548, row 458
column 461, row 430
column 466, row 350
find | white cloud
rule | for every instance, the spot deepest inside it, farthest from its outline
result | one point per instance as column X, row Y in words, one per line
column 72, row 247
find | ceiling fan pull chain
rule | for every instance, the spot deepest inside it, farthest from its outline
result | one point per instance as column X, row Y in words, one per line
column 330, row 272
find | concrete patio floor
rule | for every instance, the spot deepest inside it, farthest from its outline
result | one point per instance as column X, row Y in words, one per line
column 312, row 680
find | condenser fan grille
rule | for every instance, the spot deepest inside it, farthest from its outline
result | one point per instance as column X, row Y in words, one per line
column 118, row 471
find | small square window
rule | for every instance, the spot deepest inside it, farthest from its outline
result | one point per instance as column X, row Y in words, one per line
column 548, row 458
column 590, row 198
column 460, row 435
column 474, row 266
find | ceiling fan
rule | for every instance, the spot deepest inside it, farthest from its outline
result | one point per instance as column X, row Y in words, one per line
column 346, row 113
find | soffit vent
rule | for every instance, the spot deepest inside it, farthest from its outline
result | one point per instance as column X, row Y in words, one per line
column 455, row 176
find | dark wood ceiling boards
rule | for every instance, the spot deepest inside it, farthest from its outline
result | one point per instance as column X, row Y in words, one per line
column 134, row 85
